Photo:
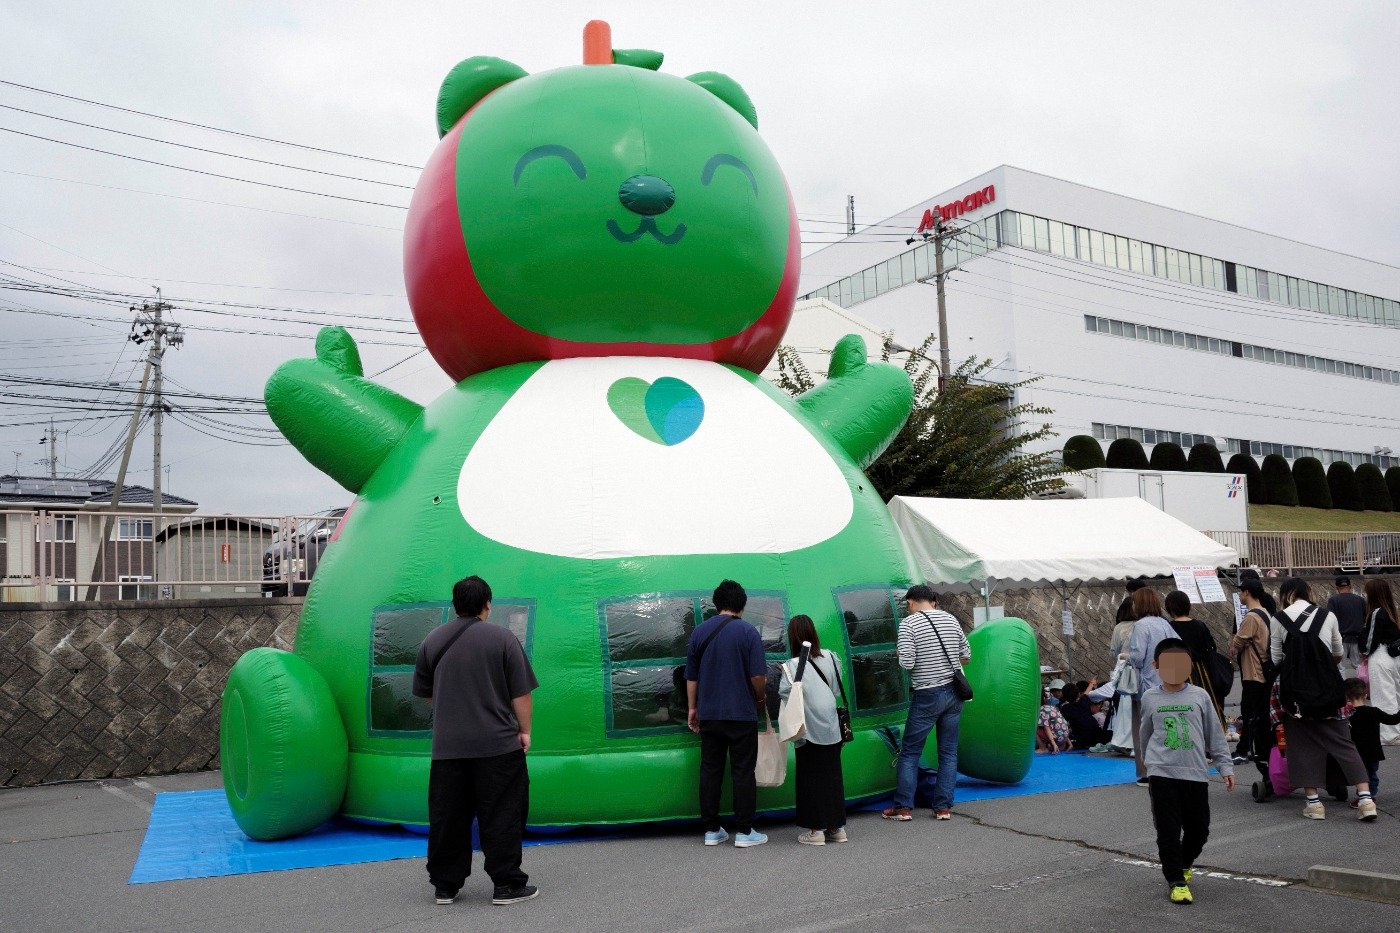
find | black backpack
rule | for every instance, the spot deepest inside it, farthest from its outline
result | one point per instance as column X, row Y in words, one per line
column 1310, row 685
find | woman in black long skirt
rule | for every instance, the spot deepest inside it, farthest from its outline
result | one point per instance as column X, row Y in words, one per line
column 821, row 792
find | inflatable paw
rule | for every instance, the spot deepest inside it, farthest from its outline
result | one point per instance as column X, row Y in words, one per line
column 996, row 738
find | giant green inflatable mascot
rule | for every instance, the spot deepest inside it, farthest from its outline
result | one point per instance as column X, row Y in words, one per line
column 603, row 258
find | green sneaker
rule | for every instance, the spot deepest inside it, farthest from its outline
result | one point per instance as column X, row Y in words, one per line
column 1181, row 894
column 1187, row 875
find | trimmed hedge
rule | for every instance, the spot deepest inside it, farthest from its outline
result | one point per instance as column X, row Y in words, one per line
column 1374, row 494
column 1083, row 452
column 1204, row 458
column 1392, row 482
column 1311, row 480
column 1244, row 463
column 1346, row 491
column 1127, row 454
column 1168, row 456
column 1278, row 481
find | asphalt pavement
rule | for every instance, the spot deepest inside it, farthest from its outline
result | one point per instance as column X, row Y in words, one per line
column 1066, row 861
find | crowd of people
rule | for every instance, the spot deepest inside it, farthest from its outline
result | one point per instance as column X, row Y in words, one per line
column 1163, row 703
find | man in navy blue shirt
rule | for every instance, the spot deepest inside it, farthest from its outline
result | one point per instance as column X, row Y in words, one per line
column 726, row 678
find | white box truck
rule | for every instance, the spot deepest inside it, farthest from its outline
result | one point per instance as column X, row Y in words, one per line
column 1205, row 501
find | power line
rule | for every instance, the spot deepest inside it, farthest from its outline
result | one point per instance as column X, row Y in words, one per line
column 200, row 171
column 205, row 126
column 218, row 152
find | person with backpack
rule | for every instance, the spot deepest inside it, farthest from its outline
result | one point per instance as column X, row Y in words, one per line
column 1306, row 644
column 1249, row 647
column 1381, row 647
column 726, row 686
column 476, row 676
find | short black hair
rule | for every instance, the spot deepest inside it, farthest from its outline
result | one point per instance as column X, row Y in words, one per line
column 1134, row 584
column 1169, row 644
column 1355, row 688
column 1178, row 603
column 470, row 596
column 729, row 596
column 1342, row 581
column 1070, row 694
column 922, row 592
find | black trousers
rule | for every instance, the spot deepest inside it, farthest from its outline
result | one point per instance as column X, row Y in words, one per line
column 496, row 793
column 1181, row 813
column 737, row 739
column 1256, row 734
column 821, row 791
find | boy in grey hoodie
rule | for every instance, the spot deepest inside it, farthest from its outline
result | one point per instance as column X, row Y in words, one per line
column 1179, row 730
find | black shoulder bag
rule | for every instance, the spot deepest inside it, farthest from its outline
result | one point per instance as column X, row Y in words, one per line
column 843, row 712
column 961, row 688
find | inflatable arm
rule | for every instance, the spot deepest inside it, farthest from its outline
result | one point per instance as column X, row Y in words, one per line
column 340, row 421
column 861, row 405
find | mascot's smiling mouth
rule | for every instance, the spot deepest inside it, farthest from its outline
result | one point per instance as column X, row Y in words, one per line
column 646, row 226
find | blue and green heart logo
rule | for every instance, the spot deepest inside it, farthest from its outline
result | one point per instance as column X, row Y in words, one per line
column 666, row 411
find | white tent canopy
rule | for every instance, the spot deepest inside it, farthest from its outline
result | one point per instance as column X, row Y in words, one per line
column 1054, row 541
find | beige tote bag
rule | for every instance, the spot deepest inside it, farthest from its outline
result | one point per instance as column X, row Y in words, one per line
column 771, row 768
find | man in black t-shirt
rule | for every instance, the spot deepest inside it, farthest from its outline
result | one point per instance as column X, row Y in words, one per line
column 479, row 681
column 1350, row 610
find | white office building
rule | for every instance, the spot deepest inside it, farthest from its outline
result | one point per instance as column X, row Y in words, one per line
column 1142, row 321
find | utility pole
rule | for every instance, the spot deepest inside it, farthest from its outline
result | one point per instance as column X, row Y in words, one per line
column 160, row 334
column 51, row 438
column 850, row 215
column 940, row 233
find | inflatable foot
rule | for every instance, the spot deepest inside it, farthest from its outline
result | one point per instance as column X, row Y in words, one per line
column 996, row 738
column 282, row 745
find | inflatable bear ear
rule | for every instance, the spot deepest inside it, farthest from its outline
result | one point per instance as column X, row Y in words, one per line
column 638, row 58
column 729, row 91
column 467, row 83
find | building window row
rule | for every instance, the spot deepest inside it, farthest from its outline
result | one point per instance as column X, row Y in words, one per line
column 1235, row 445
column 1107, row 249
column 1149, row 436
column 1013, row 228
column 977, row 239
column 1248, row 351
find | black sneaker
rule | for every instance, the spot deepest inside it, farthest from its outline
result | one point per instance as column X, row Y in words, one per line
column 1142, row 782
column 504, row 895
column 444, row 896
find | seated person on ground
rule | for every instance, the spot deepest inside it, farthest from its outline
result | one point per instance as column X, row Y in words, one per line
column 1085, row 732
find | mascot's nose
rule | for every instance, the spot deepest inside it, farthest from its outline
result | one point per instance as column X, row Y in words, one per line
column 647, row 195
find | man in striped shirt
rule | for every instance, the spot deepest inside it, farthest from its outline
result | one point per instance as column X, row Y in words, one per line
column 932, row 647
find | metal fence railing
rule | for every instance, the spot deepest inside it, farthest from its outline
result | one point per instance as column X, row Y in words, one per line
column 1316, row 551
column 99, row 554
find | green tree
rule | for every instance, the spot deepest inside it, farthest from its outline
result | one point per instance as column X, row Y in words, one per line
column 1374, row 494
column 1168, row 456
column 1204, row 458
column 1127, row 454
column 1311, row 480
column 1346, row 492
column 1392, row 482
column 1083, row 452
column 1278, row 481
column 1245, row 464
column 965, row 442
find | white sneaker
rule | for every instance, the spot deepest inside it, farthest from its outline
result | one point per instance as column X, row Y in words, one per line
column 1366, row 810
column 1314, row 811
column 837, row 835
column 812, row 837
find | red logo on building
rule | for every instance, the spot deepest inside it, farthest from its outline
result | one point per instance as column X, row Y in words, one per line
column 957, row 208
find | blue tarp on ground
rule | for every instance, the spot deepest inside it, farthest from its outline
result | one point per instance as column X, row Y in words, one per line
column 193, row 835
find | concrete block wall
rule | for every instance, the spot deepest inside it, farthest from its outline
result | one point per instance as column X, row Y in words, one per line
column 118, row 689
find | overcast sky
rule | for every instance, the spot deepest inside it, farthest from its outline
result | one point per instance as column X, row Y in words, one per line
column 1277, row 116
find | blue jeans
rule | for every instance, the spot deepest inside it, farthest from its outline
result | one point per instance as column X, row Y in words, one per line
column 934, row 706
